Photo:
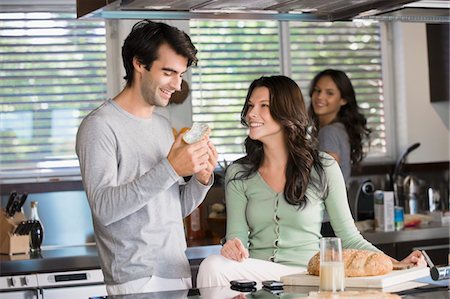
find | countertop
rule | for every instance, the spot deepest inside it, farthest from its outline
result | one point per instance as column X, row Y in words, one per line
column 86, row 257
column 430, row 291
column 423, row 232
column 72, row 259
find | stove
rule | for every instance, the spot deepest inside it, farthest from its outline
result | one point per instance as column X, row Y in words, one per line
column 54, row 273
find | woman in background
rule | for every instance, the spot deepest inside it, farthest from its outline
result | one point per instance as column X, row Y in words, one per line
column 277, row 194
column 342, row 128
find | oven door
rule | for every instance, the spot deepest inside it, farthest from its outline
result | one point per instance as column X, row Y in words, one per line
column 74, row 292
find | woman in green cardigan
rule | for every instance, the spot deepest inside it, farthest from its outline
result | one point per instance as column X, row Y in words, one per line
column 277, row 194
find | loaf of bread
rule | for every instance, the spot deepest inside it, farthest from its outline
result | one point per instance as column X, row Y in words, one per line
column 370, row 294
column 357, row 263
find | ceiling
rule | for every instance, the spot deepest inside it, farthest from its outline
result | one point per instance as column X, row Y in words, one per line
column 308, row 10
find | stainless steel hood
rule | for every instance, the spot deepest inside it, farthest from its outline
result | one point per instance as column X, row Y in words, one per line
column 307, row 10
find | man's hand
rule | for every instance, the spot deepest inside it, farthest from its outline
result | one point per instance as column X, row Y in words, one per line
column 187, row 159
column 204, row 175
column 234, row 250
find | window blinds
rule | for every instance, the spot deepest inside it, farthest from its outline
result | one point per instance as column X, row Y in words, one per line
column 234, row 53
column 353, row 47
column 53, row 72
column 231, row 55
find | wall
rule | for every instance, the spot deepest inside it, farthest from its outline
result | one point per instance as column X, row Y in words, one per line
column 417, row 119
column 65, row 216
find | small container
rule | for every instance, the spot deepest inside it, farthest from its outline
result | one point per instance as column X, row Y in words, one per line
column 399, row 218
column 384, row 211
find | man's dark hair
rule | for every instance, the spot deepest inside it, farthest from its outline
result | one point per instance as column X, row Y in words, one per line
column 144, row 41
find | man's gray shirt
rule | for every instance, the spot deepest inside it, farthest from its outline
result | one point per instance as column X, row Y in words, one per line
column 137, row 200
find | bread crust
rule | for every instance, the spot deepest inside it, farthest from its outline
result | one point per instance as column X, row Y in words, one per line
column 357, row 263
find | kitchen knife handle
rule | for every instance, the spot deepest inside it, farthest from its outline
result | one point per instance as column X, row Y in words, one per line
column 23, row 198
column 14, row 206
column 12, row 195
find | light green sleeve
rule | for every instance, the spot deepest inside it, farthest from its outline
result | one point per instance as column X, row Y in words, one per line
column 339, row 211
column 236, row 205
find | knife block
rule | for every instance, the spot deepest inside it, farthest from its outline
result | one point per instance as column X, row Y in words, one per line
column 10, row 243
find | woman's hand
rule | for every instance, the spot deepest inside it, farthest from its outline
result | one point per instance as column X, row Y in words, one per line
column 415, row 258
column 234, row 250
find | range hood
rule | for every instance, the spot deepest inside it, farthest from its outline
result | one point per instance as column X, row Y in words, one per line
column 289, row 10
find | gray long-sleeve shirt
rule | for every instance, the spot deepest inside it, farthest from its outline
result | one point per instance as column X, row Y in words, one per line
column 334, row 138
column 137, row 199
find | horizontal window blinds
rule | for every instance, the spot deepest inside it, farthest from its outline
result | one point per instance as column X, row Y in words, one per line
column 53, row 72
column 234, row 53
column 231, row 55
column 353, row 47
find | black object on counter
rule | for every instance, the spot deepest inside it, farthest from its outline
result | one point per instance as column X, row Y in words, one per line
column 36, row 236
column 12, row 196
column 15, row 203
column 36, row 230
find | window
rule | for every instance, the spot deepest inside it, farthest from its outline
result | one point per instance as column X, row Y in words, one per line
column 53, row 72
column 234, row 53
column 353, row 47
column 231, row 55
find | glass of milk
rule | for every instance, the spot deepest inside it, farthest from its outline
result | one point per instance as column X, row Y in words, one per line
column 332, row 275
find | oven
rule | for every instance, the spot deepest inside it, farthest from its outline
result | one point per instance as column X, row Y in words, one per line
column 74, row 284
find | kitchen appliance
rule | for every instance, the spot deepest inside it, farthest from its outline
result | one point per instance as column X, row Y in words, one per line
column 317, row 10
column 76, row 284
column 364, row 205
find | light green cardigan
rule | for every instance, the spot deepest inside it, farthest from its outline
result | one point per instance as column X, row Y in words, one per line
column 274, row 230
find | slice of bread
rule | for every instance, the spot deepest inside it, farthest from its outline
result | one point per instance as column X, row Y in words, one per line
column 196, row 133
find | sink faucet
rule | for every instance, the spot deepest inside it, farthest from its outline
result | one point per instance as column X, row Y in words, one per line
column 397, row 169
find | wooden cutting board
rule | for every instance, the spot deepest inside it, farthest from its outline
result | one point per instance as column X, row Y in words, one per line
column 378, row 282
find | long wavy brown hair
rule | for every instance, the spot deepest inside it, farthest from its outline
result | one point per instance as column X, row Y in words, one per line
column 354, row 121
column 287, row 107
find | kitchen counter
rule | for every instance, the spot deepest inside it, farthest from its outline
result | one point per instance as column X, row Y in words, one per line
column 429, row 291
column 73, row 259
column 423, row 232
column 86, row 257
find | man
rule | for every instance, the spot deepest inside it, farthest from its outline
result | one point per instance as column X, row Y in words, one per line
column 133, row 170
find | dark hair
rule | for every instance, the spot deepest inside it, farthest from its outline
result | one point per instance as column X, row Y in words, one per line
column 287, row 107
column 354, row 121
column 144, row 41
